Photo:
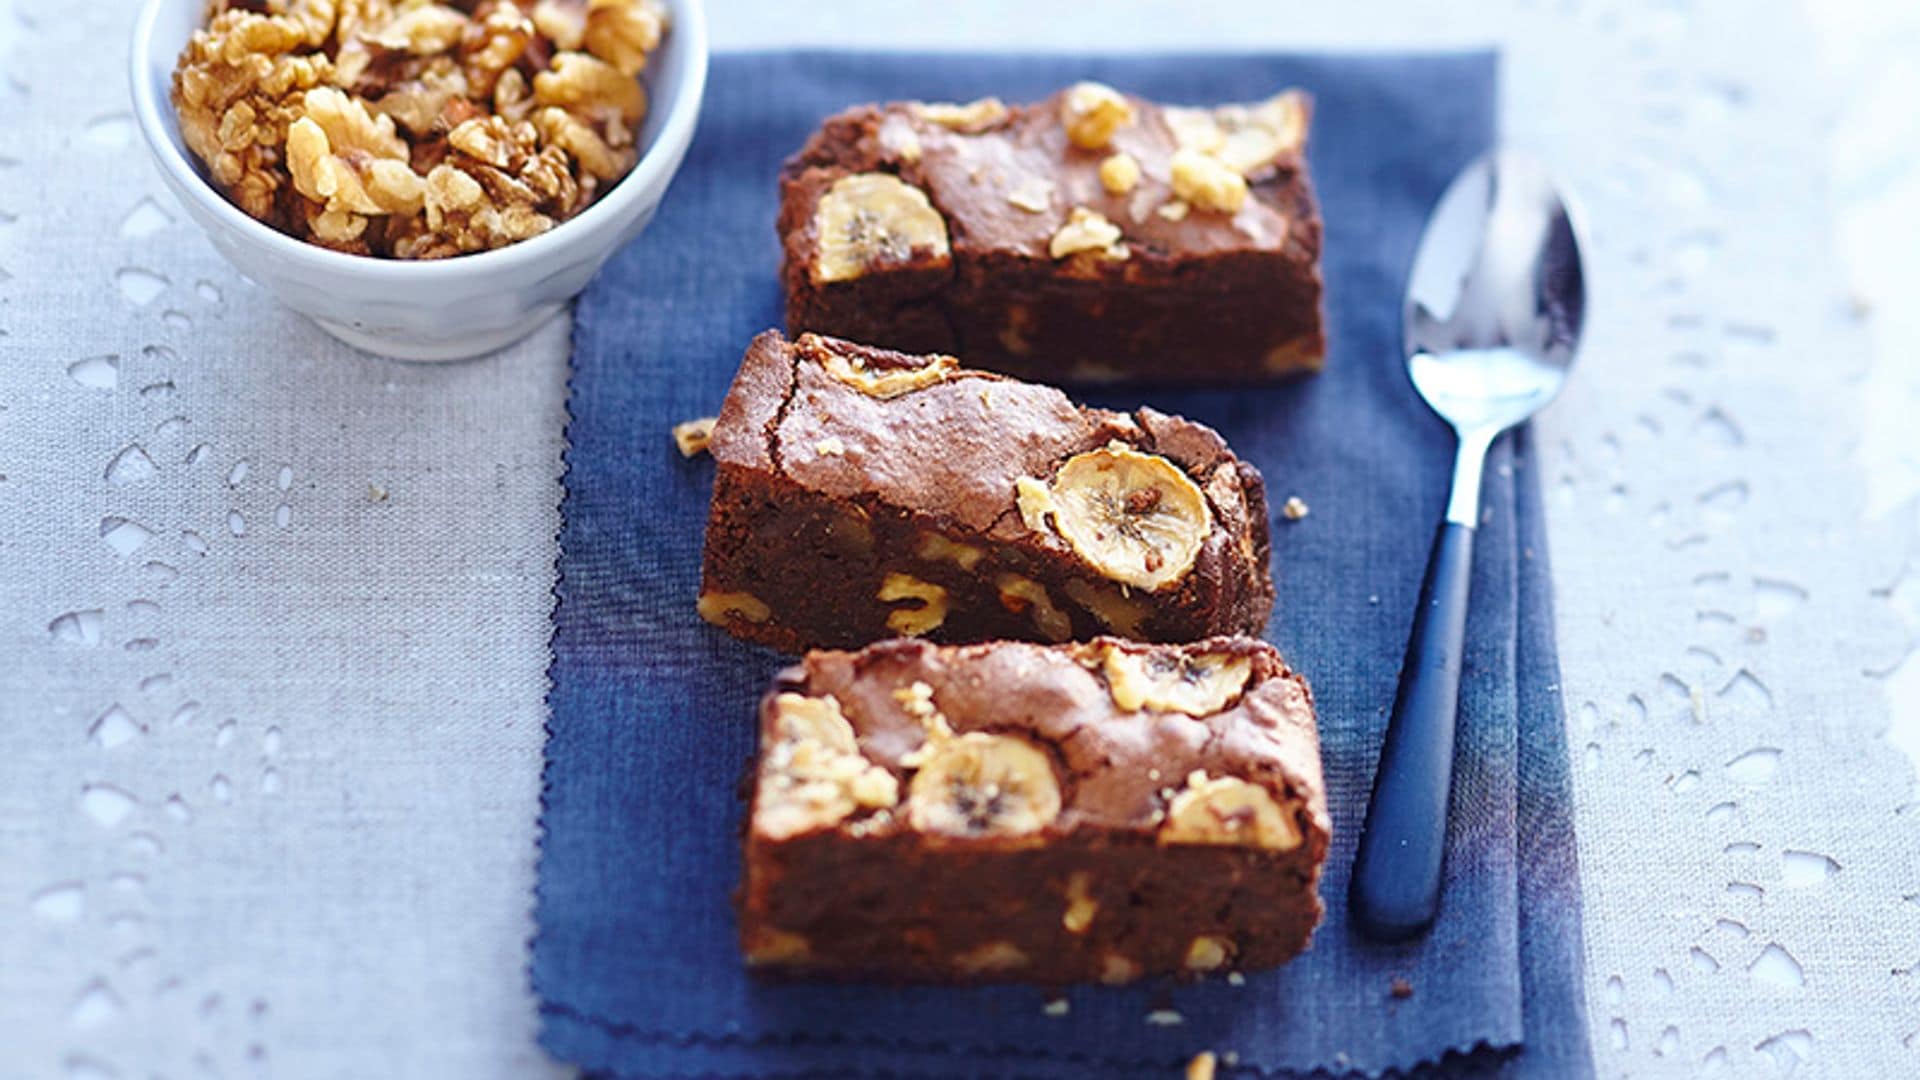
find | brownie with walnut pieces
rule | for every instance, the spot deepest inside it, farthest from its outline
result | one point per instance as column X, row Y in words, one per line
column 1091, row 237
column 862, row 494
column 1103, row 811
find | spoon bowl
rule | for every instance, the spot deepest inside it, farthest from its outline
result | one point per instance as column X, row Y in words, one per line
column 1494, row 310
column 1497, row 297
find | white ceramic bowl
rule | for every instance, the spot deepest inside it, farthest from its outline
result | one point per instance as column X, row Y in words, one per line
column 446, row 309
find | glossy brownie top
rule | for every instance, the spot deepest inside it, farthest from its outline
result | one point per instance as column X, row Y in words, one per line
column 1011, row 179
column 974, row 453
column 1212, row 742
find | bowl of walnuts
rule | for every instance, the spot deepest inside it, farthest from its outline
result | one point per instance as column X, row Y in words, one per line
column 425, row 180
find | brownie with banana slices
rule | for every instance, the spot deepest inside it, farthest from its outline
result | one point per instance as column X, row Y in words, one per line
column 862, row 494
column 1093, row 236
column 1051, row 813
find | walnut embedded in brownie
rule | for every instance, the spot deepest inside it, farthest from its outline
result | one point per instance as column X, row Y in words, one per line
column 862, row 494
column 1092, row 236
column 1102, row 811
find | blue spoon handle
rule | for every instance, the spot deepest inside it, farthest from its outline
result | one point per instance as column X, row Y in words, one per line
column 1395, row 891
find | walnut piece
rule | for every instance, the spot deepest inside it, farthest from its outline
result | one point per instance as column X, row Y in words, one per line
column 1081, row 906
column 1092, row 112
column 814, row 776
column 1116, row 611
column 970, row 119
column 620, row 32
column 719, row 608
column 414, row 129
column 1119, row 174
column 1207, row 182
column 930, row 599
column 1247, row 138
column 350, row 161
column 693, row 436
column 934, row 547
column 1018, row 594
column 1208, row 952
column 1087, row 230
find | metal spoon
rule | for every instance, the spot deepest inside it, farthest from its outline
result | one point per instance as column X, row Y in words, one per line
column 1493, row 316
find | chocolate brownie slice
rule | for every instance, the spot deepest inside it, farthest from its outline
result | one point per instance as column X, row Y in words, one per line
column 1093, row 236
column 1102, row 811
column 862, row 494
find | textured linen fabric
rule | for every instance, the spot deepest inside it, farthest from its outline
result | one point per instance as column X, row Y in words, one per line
column 652, row 727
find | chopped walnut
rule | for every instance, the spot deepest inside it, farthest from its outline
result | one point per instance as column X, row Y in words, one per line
column 812, row 773
column 693, row 436
column 560, row 128
column 591, row 87
column 512, row 190
column 621, row 32
column 237, row 91
column 500, row 36
column 413, row 129
column 969, row 119
column 351, row 161
column 1119, row 173
column 422, row 31
column 1207, row 182
column 1087, row 230
column 1092, row 112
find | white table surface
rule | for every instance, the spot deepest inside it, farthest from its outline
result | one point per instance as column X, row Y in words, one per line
column 273, row 615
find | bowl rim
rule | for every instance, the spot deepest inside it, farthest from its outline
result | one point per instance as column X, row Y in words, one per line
column 654, row 169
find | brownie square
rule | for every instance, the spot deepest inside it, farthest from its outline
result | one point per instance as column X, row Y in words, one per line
column 1103, row 811
column 1090, row 237
column 863, row 494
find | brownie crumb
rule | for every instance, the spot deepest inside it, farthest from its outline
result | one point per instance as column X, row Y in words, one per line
column 1401, row 989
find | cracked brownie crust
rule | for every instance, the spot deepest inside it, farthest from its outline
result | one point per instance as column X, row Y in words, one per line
column 863, row 494
column 1090, row 237
column 1102, row 811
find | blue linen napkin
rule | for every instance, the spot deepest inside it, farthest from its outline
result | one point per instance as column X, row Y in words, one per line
column 652, row 727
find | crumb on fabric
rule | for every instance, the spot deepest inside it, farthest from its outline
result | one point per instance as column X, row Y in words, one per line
column 693, row 436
